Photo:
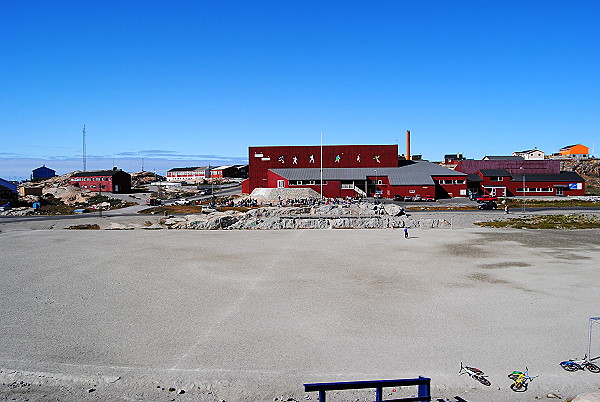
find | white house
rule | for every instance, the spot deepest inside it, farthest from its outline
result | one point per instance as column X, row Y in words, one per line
column 530, row 154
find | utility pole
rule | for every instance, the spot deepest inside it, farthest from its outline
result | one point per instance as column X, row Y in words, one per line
column 84, row 150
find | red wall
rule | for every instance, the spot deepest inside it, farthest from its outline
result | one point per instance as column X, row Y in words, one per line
column 88, row 182
column 406, row 190
column 511, row 166
column 349, row 158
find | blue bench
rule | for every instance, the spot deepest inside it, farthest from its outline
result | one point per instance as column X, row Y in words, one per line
column 422, row 383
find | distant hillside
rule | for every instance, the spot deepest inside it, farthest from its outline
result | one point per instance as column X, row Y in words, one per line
column 586, row 167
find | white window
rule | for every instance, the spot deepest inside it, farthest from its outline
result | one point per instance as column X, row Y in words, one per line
column 280, row 183
column 347, row 186
column 412, row 191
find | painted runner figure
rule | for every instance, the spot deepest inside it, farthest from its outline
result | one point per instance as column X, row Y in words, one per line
column 406, row 233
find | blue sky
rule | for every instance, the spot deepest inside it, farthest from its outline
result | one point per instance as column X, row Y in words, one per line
column 194, row 82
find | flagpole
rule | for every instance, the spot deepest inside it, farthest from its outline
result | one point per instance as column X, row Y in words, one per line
column 321, row 164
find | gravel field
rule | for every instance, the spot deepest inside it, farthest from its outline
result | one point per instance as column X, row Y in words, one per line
column 252, row 315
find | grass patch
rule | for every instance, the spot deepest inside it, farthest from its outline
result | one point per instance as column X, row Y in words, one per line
column 55, row 210
column 89, row 226
column 564, row 222
column 239, row 209
column 566, row 203
column 442, row 208
column 173, row 209
column 591, row 189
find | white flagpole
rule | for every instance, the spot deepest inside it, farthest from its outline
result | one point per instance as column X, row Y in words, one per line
column 321, row 164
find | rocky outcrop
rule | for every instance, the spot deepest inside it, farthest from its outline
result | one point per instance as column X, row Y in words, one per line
column 352, row 216
column 585, row 167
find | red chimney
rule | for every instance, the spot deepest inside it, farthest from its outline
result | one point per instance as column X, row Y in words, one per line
column 407, row 145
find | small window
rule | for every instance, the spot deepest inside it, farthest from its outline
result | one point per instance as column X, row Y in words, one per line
column 411, row 191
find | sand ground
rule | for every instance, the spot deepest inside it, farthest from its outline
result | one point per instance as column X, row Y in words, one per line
column 252, row 315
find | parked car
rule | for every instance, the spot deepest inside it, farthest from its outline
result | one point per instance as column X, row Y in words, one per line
column 488, row 205
column 208, row 191
column 417, row 197
column 408, row 198
column 183, row 201
column 428, row 198
column 398, row 197
column 153, row 201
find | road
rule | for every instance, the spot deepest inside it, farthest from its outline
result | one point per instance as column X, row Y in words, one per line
column 252, row 315
column 128, row 211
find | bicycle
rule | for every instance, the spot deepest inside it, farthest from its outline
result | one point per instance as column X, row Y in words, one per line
column 475, row 374
column 520, row 380
column 575, row 365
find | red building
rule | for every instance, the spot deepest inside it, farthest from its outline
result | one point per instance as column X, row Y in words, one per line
column 112, row 181
column 233, row 171
column 509, row 178
column 350, row 170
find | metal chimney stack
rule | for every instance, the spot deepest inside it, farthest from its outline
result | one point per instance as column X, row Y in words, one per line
column 407, row 145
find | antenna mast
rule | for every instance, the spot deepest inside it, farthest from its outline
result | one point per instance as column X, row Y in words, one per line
column 84, row 151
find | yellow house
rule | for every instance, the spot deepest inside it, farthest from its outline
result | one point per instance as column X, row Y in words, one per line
column 577, row 149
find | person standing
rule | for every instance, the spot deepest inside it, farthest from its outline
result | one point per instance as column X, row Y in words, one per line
column 406, row 233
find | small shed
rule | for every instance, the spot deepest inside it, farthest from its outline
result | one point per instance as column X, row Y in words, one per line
column 42, row 173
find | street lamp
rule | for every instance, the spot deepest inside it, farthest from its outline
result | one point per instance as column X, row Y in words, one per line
column 523, row 171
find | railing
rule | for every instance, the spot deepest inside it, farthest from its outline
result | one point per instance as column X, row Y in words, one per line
column 359, row 191
column 422, row 383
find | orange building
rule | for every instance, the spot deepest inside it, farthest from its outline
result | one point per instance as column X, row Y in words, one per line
column 577, row 149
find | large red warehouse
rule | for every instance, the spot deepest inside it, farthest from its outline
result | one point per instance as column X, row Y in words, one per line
column 350, row 170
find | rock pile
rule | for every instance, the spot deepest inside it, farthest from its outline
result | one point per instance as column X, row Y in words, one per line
column 264, row 195
column 353, row 216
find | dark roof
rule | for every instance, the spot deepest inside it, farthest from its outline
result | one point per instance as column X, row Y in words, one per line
column 569, row 146
column 8, row 185
column 570, row 177
column 415, row 173
column 42, row 168
column 188, row 169
column 494, row 173
column 454, row 156
column 94, row 173
column 527, row 151
column 474, row 177
column 502, row 158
